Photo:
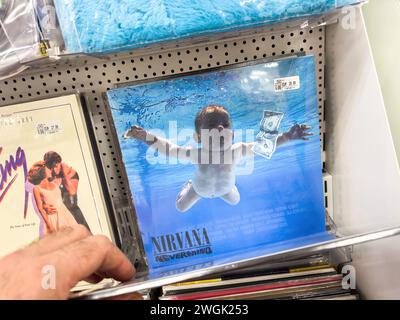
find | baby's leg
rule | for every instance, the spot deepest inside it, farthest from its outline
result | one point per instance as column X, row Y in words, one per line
column 232, row 197
column 187, row 197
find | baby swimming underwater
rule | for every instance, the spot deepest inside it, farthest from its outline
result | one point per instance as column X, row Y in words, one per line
column 215, row 159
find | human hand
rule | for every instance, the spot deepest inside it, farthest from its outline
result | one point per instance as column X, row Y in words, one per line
column 49, row 209
column 299, row 132
column 66, row 170
column 63, row 259
column 136, row 132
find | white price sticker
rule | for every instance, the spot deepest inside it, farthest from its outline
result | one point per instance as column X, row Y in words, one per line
column 48, row 128
column 286, row 84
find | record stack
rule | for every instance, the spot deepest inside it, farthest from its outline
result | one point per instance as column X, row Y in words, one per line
column 304, row 279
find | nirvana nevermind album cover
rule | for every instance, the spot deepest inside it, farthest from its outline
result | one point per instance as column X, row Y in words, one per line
column 222, row 161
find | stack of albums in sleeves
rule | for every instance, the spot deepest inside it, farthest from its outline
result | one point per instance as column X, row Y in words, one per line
column 223, row 164
column 307, row 278
column 48, row 173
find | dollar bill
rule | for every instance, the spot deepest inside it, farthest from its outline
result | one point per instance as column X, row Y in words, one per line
column 267, row 138
column 271, row 121
column 265, row 144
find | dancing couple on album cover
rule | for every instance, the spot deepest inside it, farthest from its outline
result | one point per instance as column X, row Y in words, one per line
column 54, row 186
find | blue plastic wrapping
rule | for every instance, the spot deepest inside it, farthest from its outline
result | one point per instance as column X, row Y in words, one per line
column 97, row 26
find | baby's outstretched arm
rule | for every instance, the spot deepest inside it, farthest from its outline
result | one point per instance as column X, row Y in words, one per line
column 297, row 132
column 163, row 146
column 242, row 150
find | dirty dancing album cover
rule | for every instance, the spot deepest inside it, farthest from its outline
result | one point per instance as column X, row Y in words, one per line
column 48, row 178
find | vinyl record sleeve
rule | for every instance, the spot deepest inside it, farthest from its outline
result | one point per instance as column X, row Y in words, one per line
column 187, row 215
column 225, row 284
column 286, row 293
column 256, row 288
column 46, row 160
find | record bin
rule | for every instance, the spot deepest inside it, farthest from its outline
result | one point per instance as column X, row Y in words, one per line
column 363, row 180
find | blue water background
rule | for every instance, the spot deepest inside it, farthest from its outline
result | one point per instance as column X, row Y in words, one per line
column 281, row 199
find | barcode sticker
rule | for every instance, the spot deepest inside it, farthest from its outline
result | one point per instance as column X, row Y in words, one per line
column 48, row 128
column 286, row 84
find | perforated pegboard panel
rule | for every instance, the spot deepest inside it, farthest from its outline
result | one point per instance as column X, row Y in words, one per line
column 94, row 76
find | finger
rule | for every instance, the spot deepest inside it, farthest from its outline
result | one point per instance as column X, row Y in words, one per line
column 57, row 240
column 127, row 134
column 94, row 278
column 52, row 210
column 308, row 133
column 305, row 127
column 82, row 259
column 306, row 139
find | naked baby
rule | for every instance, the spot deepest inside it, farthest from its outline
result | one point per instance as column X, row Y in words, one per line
column 215, row 159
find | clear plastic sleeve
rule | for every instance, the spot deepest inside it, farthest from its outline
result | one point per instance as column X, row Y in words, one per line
column 187, row 192
column 19, row 36
column 100, row 26
column 29, row 31
column 49, row 26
